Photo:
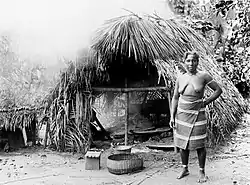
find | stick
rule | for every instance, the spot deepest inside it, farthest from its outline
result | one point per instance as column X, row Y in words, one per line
column 24, row 136
column 149, row 176
column 29, row 178
column 130, row 89
column 127, row 114
column 20, row 109
column 46, row 134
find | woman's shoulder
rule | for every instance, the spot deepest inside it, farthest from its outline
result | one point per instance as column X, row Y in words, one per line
column 181, row 75
column 206, row 76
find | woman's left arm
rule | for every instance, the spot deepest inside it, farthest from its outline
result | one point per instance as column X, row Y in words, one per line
column 214, row 86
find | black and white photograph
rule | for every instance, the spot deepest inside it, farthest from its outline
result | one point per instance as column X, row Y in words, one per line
column 124, row 92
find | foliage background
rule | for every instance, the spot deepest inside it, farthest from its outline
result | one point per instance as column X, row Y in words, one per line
column 23, row 82
column 225, row 24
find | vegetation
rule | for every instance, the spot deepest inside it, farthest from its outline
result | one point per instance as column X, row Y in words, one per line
column 69, row 109
column 23, row 86
column 23, row 83
column 225, row 25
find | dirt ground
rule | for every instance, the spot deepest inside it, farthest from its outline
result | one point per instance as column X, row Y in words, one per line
column 226, row 165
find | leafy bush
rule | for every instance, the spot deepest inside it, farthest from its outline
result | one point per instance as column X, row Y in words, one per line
column 226, row 25
column 23, row 83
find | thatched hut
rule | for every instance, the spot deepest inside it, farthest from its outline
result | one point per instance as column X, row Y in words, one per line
column 134, row 54
column 18, row 126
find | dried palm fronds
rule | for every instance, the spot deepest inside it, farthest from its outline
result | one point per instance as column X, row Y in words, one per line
column 69, row 108
column 22, row 117
column 184, row 36
column 225, row 113
column 146, row 39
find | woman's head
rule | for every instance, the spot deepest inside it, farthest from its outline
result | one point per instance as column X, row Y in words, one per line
column 191, row 61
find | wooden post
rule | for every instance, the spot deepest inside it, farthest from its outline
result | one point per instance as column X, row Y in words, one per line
column 34, row 130
column 24, row 136
column 129, row 89
column 127, row 114
column 87, row 117
column 46, row 134
column 77, row 108
column 127, row 119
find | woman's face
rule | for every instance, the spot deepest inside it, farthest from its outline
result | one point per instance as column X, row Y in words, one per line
column 191, row 63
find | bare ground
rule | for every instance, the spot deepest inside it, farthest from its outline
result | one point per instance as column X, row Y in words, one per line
column 226, row 165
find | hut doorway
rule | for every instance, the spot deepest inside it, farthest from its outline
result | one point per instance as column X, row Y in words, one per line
column 18, row 138
column 135, row 111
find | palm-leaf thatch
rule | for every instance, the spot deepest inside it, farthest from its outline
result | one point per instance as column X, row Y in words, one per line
column 136, row 51
column 23, row 117
column 69, row 106
column 145, row 40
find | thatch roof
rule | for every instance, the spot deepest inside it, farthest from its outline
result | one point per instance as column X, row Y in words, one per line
column 145, row 51
column 146, row 39
column 22, row 117
column 131, row 44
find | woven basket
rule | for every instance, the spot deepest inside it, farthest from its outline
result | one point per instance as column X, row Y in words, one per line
column 124, row 163
column 123, row 149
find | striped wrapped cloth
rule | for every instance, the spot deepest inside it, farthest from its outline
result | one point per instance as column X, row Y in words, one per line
column 191, row 123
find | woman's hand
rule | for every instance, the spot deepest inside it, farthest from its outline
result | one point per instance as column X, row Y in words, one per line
column 172, row 123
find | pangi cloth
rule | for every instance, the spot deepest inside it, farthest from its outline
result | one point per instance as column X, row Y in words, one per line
column 191, row 124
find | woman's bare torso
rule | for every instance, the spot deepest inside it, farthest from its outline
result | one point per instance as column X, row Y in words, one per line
column 192, row 85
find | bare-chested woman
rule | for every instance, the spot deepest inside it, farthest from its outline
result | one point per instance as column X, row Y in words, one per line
column 188, row 112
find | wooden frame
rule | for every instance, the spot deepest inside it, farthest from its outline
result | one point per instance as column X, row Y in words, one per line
column 129, row 89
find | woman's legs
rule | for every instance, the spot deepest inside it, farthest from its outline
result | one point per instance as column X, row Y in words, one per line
column 202, row 160
column 202, row 157
column 184, row 156
column 184, row 160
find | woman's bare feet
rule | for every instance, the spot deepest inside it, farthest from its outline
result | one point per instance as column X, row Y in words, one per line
column 202, row 177
column 184, row 173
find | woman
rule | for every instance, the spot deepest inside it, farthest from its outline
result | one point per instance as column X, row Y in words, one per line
column 188, row 112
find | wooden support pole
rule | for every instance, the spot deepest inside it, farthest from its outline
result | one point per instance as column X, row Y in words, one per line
column 127, row 119
column 127, row 113
column 46, row 134
column 24, row 136
column 34, row 130
column 130, row 89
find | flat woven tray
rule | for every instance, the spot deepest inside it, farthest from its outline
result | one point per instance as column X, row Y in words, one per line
column 124, row 163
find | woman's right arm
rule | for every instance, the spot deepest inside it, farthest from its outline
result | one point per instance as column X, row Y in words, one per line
column 174, row 103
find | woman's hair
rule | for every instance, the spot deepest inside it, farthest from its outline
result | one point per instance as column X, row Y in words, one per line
column 194, row 53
